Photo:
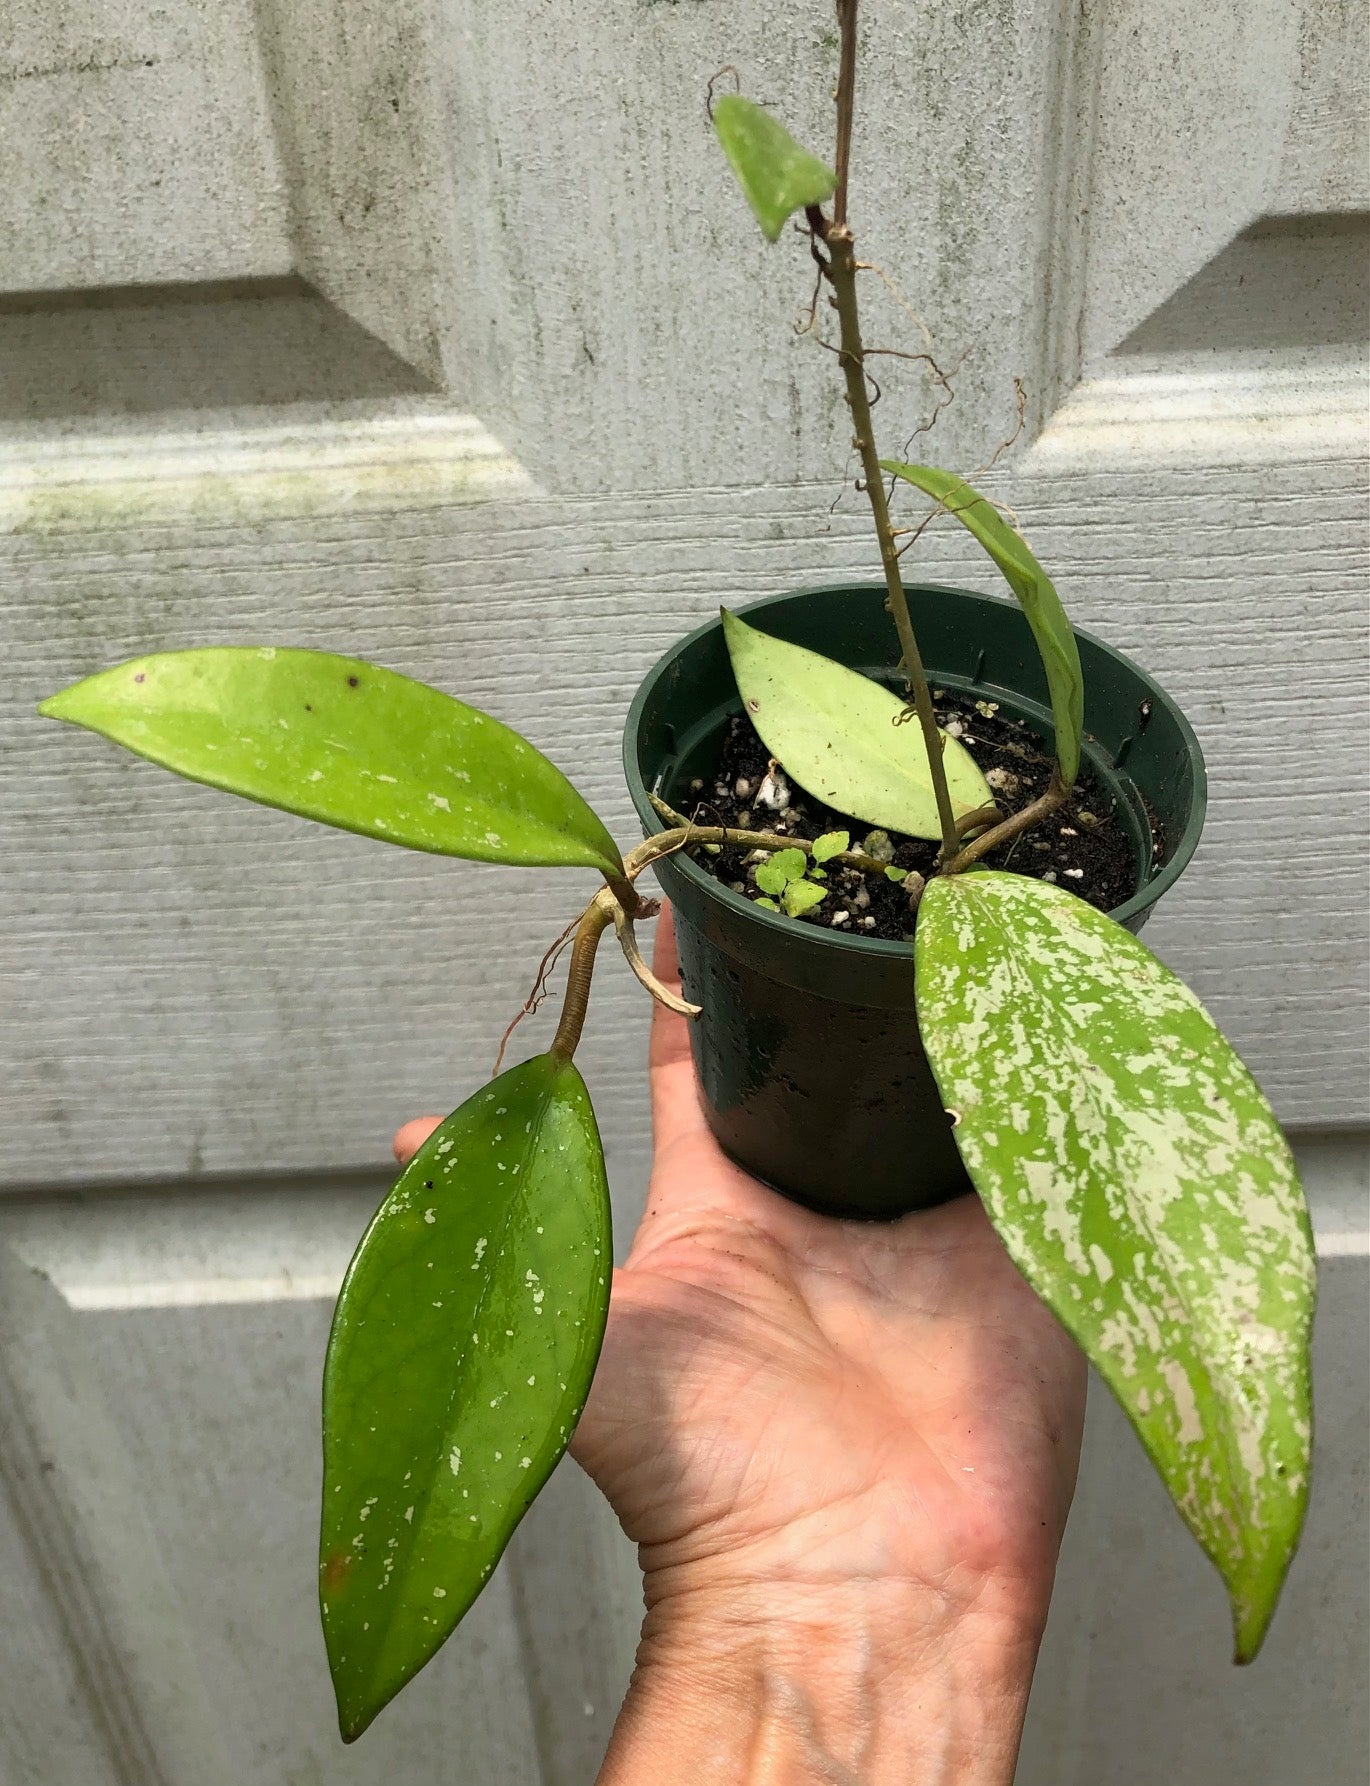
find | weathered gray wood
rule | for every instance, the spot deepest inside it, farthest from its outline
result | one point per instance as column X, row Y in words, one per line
column 357, row 117
column 203, row 985
column 525, row 204
column 202, row 1316
column 60, row 1734
column 1134, row 1687
column 136, row 146
column 174, row 1510
column 81, row 1520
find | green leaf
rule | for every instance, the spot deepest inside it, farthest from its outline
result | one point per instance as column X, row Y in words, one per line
column 1035, row 592
column 341, row 741
column 777, row 871
column 831, row 843
column 800, row 897
column 767, row 905
column 461, row 1354
column 776, row 174
column 835, row 732
column 896, row 874
column 1142, row 1186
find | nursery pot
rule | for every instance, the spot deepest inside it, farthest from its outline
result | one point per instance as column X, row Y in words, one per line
column 810, row 1068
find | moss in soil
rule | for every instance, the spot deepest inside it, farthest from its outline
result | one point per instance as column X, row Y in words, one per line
column 1084, row 847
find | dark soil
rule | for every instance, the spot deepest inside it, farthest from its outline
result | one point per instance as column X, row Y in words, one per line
column 1085, row 847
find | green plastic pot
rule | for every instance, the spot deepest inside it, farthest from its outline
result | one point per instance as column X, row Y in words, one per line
column 810, row 1068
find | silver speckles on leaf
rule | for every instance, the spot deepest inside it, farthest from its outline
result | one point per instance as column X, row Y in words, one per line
column 1141, row 1184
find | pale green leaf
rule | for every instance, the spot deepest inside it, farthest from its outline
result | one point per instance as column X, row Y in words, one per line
column 344, row 742
column 767, row 905
column 1035, row 592
column 777, row 176
column 831, row 843
column 835, row 732
column 896, row 874
column 1142, row 1186
column 777, row 871
column 800, row 897
column 462, row 1350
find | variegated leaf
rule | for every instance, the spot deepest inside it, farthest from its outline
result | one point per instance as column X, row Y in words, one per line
column 1141, row 1184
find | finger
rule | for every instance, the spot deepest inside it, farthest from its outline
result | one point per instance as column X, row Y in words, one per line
column 675, row 1100
column 411, row 1137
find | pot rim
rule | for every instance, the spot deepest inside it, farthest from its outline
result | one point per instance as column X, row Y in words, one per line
column 1145, row 896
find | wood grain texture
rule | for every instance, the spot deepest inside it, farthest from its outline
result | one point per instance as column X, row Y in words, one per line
column 136, row 146
column 81, row 1519
column 207, row 1004
column 199, row 1658
column 1134, row 1686
column 200, row 986
column 199, row 1321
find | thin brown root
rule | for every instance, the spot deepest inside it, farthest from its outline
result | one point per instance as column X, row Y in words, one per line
column 915, row 533
column 946, row 508
column 808, row 316
column 869, row 266
column 945, row 401
column 539, row 992
column 727, row 68
column 1020, row 402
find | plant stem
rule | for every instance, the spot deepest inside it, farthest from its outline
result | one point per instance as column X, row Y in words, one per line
column 1014, row 826
column 594, row 921
column 846, row 90
column 684, row 831
column 633, row 956
column 840, row 271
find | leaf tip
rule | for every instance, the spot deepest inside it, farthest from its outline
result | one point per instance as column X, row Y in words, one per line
column 59, row 706
column 1253, row 1608
column 352, row 1724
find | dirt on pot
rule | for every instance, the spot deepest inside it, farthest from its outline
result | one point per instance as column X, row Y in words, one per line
column 1085, row 847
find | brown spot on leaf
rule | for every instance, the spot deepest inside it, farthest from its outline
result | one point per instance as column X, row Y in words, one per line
column 335, row 1570
column 352, row 681
column 141, row 676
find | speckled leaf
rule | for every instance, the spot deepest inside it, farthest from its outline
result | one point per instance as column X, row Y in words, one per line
column 1036, row 596
column 344, row 742
column 776, row 174
column 461, row 1354
column 1142, row 1186
column 835, row 732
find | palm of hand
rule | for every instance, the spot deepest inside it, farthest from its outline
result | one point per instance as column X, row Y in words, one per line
column 787, row 1399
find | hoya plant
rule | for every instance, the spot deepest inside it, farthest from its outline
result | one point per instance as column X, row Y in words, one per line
column 1129, row 1162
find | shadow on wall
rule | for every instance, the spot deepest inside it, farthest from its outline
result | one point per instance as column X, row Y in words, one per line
column 138, row 350
column 1284, row 282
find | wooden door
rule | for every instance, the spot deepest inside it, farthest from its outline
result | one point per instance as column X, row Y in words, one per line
column 436, row 332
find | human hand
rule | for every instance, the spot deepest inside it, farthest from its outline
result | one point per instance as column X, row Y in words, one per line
column 845, row 1451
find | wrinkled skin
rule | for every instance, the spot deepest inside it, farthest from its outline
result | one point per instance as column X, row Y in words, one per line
column 787, row 1403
